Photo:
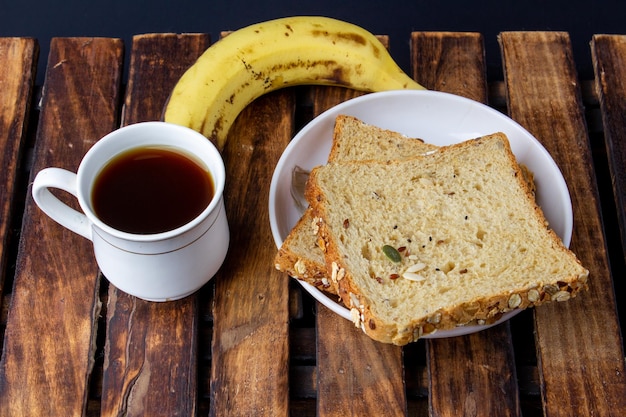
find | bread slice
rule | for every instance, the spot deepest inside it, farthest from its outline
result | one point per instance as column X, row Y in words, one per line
column 470, row 239
column 353, row 140
column 300, row 256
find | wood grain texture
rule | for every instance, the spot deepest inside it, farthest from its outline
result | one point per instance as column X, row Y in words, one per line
column 18, row 58
column 150, row 363
column 50, row 336
column 470, row 375
column 349, row 364
column 579, row 348
column 250, row 346
column 452, row 62
column 609, row 63
column 157, row 61
column 356, row 375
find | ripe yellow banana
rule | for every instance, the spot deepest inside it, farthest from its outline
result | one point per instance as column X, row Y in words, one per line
column 267, row 56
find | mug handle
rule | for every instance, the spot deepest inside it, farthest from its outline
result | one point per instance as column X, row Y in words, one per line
column 60, row 212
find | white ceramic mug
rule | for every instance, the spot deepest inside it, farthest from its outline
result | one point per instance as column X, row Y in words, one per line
column 155, row 267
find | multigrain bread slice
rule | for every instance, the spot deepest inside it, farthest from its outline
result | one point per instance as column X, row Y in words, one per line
column 353, row 140
column 470, row 239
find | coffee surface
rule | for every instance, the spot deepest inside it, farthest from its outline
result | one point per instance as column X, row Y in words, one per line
column 151, row 190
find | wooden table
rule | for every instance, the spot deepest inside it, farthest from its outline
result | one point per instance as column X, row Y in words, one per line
column 251, row 342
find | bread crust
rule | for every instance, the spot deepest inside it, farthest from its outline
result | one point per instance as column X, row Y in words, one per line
column 290, row 260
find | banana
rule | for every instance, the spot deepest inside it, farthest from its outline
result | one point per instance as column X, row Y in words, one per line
column 278, row 53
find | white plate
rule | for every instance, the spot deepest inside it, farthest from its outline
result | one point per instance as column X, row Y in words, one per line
column 438, row 118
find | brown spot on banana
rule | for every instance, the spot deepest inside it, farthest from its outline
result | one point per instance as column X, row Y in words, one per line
column 350, row 37
column 289, row 30
column 328, row 72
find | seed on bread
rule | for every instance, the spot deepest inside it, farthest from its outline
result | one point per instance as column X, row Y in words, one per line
column 428, row 328
column 412, row 276
column 300, row 267
column 417, row 333
column 355, row 316
column 315, row 227
column 533, row 295
column 551, row 289
column 321, row 243
column 417, row 267
column 561, row 296
column 411, row 272
column 514, row 301
column 392, row 253
column 354, row 301
column 337, row 273
column 434, row 319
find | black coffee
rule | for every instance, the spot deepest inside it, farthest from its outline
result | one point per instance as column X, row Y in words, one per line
column 151, row 190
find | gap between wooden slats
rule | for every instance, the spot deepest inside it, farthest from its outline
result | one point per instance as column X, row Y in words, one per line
column 578, row 342
column 150, row 356
column 50, row 335
column 18, row 58
column 609, row 62
column 474, row 374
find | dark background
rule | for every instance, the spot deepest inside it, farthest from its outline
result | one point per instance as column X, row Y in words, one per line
column 125, row 18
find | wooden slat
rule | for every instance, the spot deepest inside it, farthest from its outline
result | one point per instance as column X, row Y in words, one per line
column 350, row 365
column 355, row 375
column 150, row 364
column 579, row 346
column 18, row 58
column 157, row 61
column 50, row 335
column 452, row 62
column 474, row 374
column 250, row 347
column 609, row 62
